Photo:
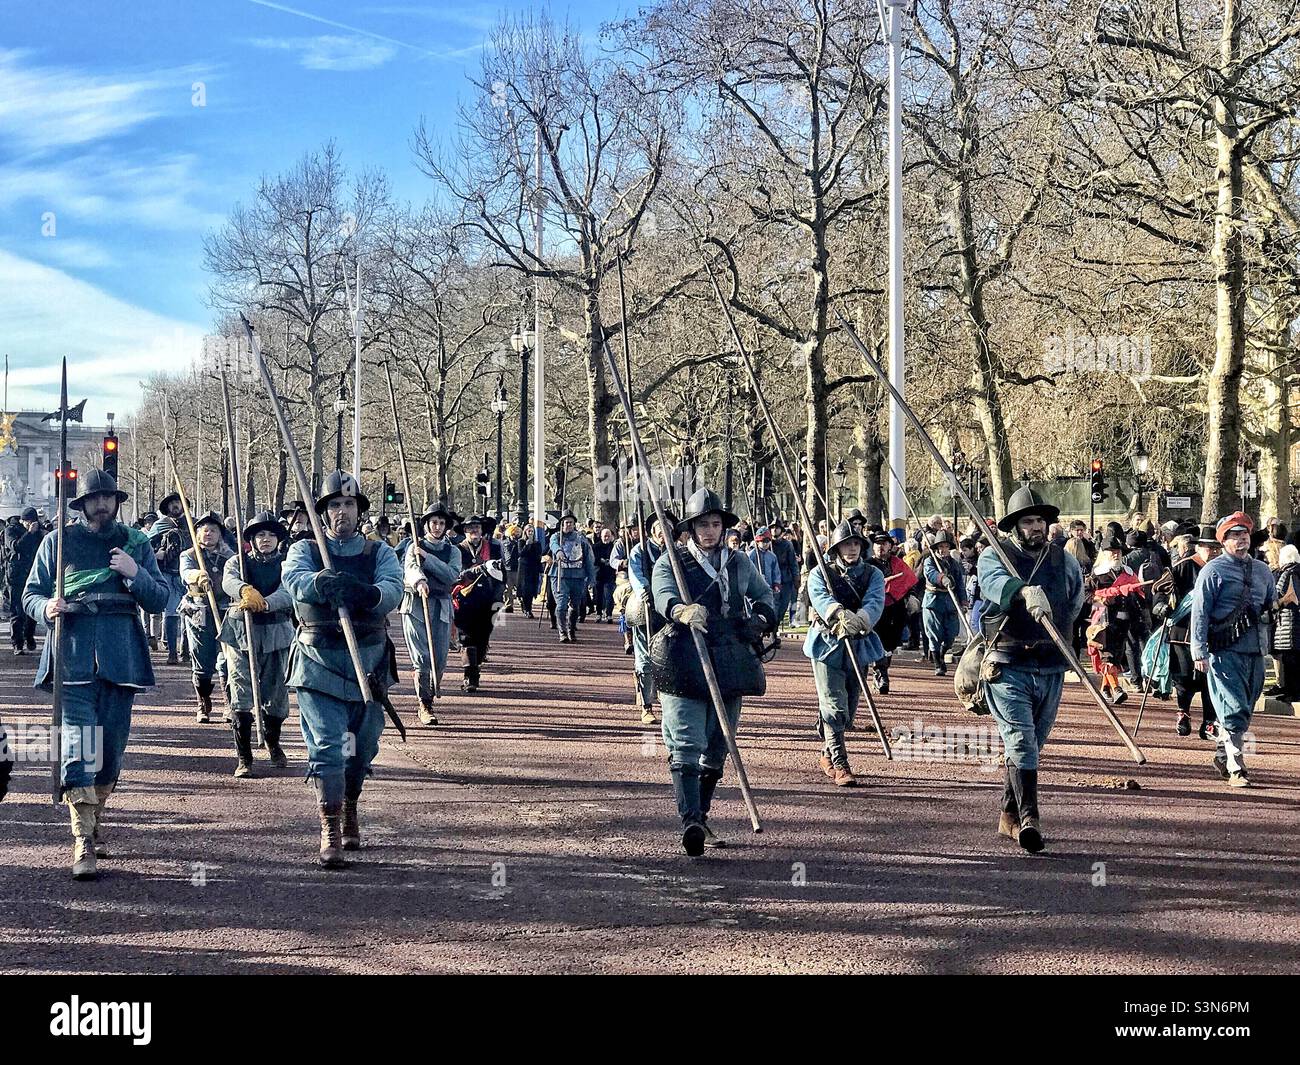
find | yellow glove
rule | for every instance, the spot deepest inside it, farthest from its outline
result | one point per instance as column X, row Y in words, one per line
column 251, row 599
column 199, row 583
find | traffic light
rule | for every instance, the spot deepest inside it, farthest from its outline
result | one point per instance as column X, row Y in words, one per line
column 481, row 482
column 71, row 490
column 390, row 492
column 1098, row 481
column 110, row 455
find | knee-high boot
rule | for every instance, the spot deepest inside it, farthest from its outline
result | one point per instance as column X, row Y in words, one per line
column 1009, row 818
column 709, row 779
column 243, row 726
column 203, row 689
column 1024, row 784
column 686, row 788
column 274, row 751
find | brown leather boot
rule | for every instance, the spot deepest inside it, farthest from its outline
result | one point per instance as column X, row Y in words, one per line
column 351, row 827
column 1008, row 826
column 331, row 837
column 844, row 777
column 827, row 766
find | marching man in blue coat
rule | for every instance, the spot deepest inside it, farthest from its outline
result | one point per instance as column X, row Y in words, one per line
column 1023, row 670
column 573, row 571
column 843, row 620
column 939, row 615
column 431, row 577
column 342, row 731
column 110, row 575
column 733, row 608
column 1232, row 606
column 266, row 601
column 201, row 628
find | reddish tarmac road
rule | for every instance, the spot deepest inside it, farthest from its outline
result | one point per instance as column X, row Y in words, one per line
column 534, row 831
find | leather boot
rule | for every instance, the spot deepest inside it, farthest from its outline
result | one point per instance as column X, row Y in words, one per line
column 351, row 826
column 839, row 756
column 331, row 835
column 940, row 666
column 82, row 806
column 244, row 743
column 272, row 727
column 686, row 788
column 203, row 689
column 709, row 779
column 102, row 792
column 427, row 716
column 882, row 676
column 573, row 624
column 1009, row 818
column 470, row 681
column 1024, row 782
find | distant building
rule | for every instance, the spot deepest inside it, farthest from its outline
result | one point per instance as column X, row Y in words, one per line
column 27, row 474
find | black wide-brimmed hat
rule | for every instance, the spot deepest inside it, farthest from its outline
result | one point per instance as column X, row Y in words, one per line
column 1023, row 503
column 486, row 523
column 943, row 536
column 653, row 520
column 264, row 521
column 705, row 501
column 1205, row 534
column 295, row 506
column 97, row 481
column 1112, row 542
column 170, row 497
column 342, row 485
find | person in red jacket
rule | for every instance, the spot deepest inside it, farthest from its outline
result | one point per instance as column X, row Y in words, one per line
column 899, row 580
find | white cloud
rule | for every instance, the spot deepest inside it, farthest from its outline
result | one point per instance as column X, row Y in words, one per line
column 331, row 52
column 78, row 254
column 111, row 188
column 47, row 108
column 111, row 345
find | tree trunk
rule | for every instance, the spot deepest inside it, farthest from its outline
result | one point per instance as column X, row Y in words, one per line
column 1223, row 395
column 600, row 404
column 869, row 458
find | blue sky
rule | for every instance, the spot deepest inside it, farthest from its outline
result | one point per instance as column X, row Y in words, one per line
column 110, row 174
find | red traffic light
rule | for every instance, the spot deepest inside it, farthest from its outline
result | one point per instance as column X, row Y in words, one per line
column 110, row 443
column 1096, row 465
column 72, row 474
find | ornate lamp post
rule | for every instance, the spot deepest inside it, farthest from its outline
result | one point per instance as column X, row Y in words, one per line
column 500, row 404
column 523, row 343
column 841, row 475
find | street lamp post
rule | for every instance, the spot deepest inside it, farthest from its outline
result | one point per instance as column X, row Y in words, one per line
column 500, row 404
column 959, row 469
column 153, row 487
column 840, row 475
column 523, row 342
column 1141, row 463
column 340, row 408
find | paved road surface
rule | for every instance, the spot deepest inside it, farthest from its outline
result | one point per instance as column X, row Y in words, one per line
column 534, row 832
